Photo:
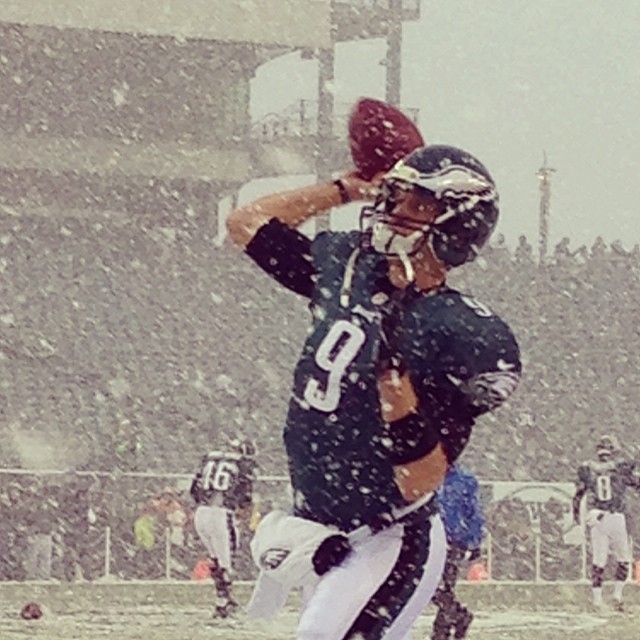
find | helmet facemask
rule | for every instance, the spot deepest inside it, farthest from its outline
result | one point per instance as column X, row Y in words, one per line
column 607, row 448
column 390, row 234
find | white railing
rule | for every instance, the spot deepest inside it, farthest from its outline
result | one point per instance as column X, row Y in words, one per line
column 301, row 119
column 488, row 559
column 531, row 498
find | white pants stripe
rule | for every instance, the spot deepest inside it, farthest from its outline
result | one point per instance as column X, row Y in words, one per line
column 608, row 534
column 401, row 628
column 334, row 604
column 212, row 526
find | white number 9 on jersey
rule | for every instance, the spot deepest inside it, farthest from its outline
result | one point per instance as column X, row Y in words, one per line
column 334, row 354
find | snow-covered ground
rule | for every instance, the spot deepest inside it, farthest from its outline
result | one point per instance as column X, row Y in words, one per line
column 132, row 612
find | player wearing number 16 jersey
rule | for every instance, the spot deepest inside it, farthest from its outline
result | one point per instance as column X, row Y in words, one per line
column 223, row 485
column 393, row 374
column 604, row 481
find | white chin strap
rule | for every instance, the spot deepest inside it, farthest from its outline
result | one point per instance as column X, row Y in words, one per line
column 391, row 243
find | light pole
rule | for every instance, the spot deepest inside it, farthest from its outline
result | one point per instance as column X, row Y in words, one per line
column 544, row 175
column 394, row 53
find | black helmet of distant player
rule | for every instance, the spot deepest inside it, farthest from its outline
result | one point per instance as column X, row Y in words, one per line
column 244, row 446
column 607, row 447
column 469, row 206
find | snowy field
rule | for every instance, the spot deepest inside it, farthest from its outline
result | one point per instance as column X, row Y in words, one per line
column 189, row 623
column 166, row 612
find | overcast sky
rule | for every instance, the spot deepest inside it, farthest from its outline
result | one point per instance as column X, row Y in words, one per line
column 507, row 79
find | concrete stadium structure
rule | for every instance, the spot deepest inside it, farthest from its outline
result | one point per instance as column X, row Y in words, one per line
column 117, row 107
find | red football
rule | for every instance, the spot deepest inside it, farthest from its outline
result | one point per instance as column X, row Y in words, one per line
column 379, row 136
column 31, row 611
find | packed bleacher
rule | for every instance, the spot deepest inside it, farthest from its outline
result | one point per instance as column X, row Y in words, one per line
column 130, row 346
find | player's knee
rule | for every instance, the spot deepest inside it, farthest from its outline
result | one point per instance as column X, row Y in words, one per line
column 221, row 575
column 214, row 566
column 622, row 571
column 597, row 574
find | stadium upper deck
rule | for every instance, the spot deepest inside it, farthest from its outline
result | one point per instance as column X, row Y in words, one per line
column 139, row 100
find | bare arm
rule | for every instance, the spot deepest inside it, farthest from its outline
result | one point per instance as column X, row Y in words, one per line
column 423, row 475
column 426, row 474
column 293, row 207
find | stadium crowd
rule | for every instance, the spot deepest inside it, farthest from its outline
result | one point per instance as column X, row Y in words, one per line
column 128, row 349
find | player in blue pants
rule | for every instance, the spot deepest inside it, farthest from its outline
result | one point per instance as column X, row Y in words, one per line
column 461, row 511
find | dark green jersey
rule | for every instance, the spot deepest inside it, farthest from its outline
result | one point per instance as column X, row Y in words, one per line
column 225, row 477
column 462, row 361
column 605, row 483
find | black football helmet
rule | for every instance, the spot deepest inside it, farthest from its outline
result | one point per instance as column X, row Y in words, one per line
column 469, row 206
column 244, row 447
column 607, row 447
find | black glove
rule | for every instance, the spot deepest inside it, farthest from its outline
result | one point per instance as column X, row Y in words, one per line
column 331, row 552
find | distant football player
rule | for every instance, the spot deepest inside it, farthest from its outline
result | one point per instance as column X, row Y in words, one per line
column 395, row 369
column 604, row 481
column 461, row 511
column 222, row 486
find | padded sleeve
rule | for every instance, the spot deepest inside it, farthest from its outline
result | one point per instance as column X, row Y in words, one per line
column 285, row 254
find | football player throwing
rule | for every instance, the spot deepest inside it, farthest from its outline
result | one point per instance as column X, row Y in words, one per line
column 394, row 371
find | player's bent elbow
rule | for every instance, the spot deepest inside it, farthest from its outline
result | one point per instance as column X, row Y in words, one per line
column 421, row 476
column 242, row 224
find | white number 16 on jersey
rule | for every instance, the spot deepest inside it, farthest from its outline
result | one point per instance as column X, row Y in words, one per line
column 334, row 354
column 218, row 475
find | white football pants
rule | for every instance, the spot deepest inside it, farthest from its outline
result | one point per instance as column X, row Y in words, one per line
column 343, row 593
column 608, row 534
column 215, row 527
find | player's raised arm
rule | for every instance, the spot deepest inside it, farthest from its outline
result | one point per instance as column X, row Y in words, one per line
column 295, row 206
column 379, row 136
column 266, row 228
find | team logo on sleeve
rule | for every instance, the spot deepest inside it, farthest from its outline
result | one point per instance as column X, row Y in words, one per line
column 489, row 389
column 273, row 558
